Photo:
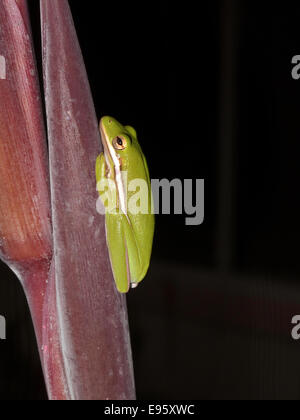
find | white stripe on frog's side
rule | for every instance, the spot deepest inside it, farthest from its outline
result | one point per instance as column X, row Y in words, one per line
column 109, row 150
column 118, row 180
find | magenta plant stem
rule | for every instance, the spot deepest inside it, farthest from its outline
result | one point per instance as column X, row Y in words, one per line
column 91, row 314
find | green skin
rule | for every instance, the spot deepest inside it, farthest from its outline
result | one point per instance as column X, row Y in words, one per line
column 129, row 236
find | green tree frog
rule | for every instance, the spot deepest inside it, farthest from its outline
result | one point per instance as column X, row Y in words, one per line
column 123, row 181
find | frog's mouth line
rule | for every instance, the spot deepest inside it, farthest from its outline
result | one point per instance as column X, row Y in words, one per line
column 107, row 154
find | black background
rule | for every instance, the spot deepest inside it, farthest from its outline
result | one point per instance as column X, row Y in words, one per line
column 211, row 95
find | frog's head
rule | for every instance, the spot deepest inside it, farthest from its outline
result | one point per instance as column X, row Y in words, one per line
column 116, row 138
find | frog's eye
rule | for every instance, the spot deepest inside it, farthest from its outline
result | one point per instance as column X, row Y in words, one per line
column 119, row 143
